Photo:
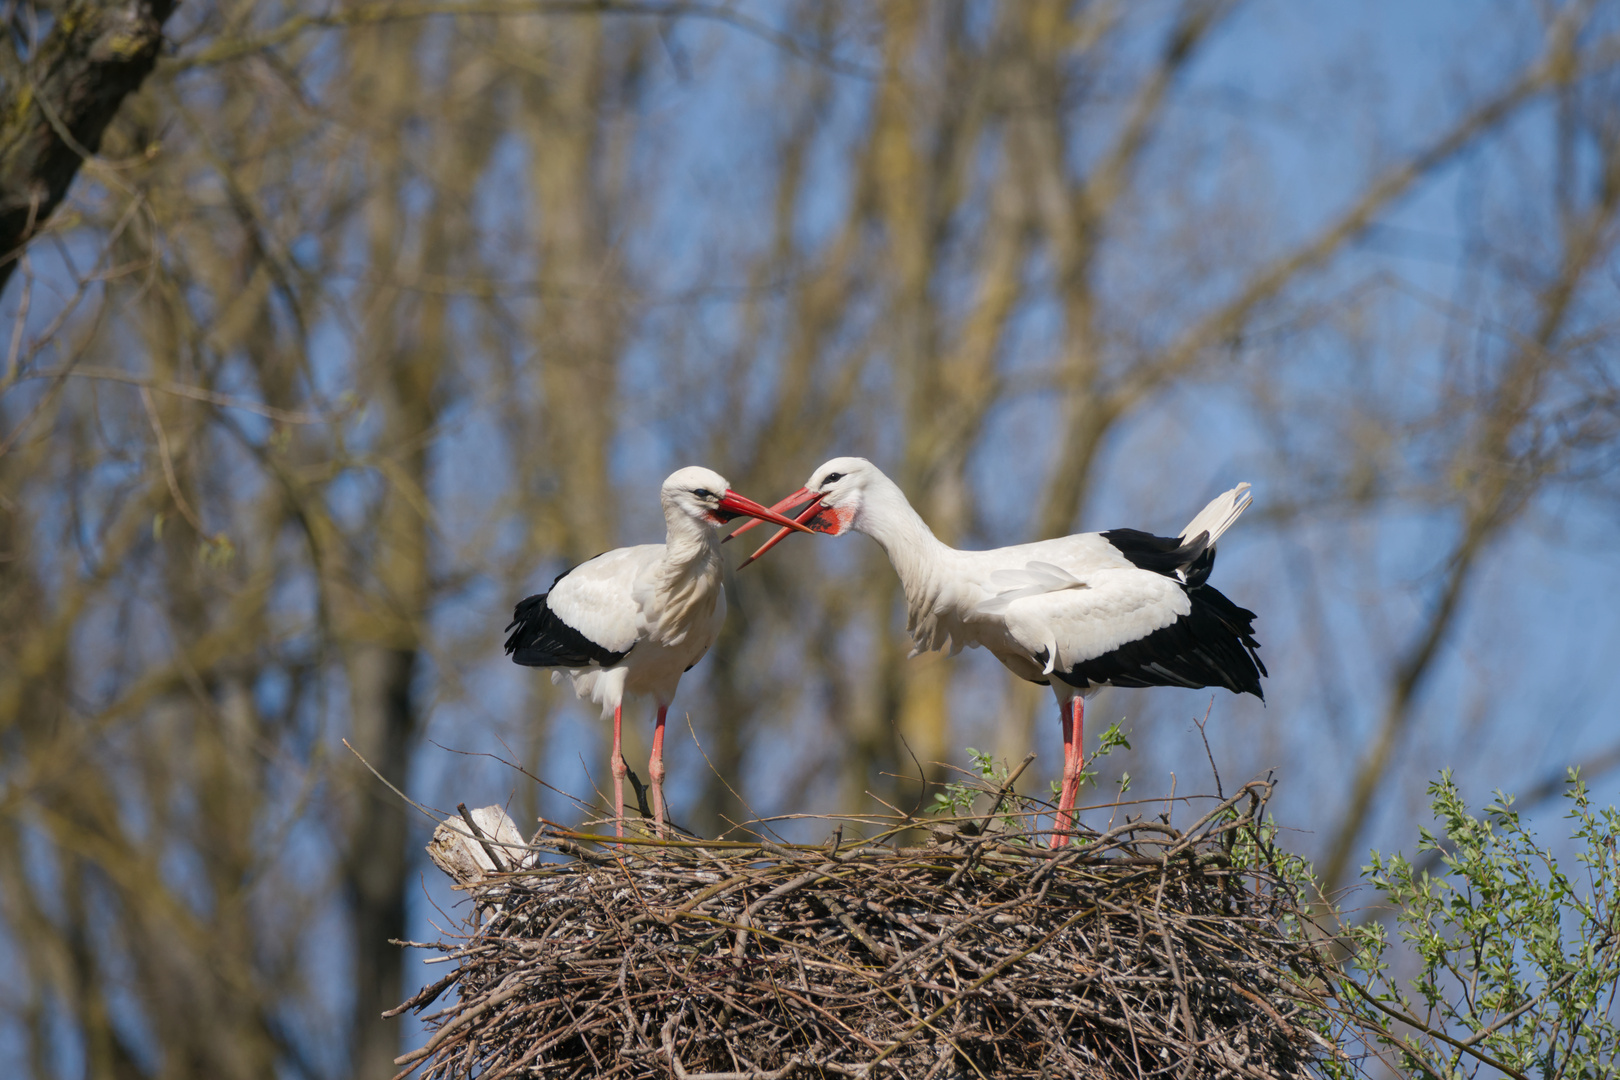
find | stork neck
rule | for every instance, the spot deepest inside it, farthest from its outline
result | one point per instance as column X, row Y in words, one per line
column 688, row 542
column 913, row 549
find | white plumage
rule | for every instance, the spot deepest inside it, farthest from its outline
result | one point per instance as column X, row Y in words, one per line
column 1122, row 607
column 632, row 620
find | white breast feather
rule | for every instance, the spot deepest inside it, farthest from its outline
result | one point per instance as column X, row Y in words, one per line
column 935, row 612
column 674, row 599
column 604, row 686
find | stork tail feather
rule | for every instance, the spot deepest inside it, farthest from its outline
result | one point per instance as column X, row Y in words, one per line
column 1219, row 515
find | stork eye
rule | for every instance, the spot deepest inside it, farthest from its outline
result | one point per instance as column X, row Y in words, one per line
column 831, row 478
column 704, row 493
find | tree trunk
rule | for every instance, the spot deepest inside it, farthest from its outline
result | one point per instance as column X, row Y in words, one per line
column 61, row 102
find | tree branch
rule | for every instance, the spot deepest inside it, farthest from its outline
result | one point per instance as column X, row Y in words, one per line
column 377, row 13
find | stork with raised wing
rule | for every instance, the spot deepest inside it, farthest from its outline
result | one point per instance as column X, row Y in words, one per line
column 632, row 620
column 1115, row 608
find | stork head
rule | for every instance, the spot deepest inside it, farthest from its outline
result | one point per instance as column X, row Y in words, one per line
column 830, row 503
column 704, row 496
column 837, row 489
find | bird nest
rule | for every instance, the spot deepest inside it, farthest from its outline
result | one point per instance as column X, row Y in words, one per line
column 1139, row 950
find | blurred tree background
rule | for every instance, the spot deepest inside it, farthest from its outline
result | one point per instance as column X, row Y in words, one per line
column 365, row 321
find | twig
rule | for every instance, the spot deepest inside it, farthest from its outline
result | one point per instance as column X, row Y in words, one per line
column 168, row 464
column 1002, row 793
column 1412, row 1021
column 495, row 859
column 195, row 393
column 425, row 996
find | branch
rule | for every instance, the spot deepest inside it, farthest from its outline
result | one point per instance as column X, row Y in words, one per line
column 1557, row 66
column 163, row 386
column 376, row 13
column 1414, row 1022
column 168, row 465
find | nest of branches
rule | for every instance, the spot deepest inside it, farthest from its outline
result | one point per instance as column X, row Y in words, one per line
column 1141, row 950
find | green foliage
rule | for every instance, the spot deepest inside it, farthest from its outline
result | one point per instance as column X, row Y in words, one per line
column 1013, row 812
column 1518, row 958
column 956, row 798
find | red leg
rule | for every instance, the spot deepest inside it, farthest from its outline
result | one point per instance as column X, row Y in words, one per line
column 1074, row 737
column 620, row 771
column 1077, row 749
column 1066, row 718
column 655, row 767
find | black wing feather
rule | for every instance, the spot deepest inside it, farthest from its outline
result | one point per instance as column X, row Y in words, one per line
column 1212, row 645
column 542, row 639
column 1189, row 561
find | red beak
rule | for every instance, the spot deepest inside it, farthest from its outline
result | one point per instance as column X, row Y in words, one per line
column 794, row 502
column 735, row 505
column 804, row 504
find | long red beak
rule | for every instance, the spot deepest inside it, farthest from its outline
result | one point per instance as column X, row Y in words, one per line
column 735, row 505
column 804, row 504
column 793, row 502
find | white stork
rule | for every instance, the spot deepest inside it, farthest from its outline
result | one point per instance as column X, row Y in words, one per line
column 1116, row 608
column 634, row 619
